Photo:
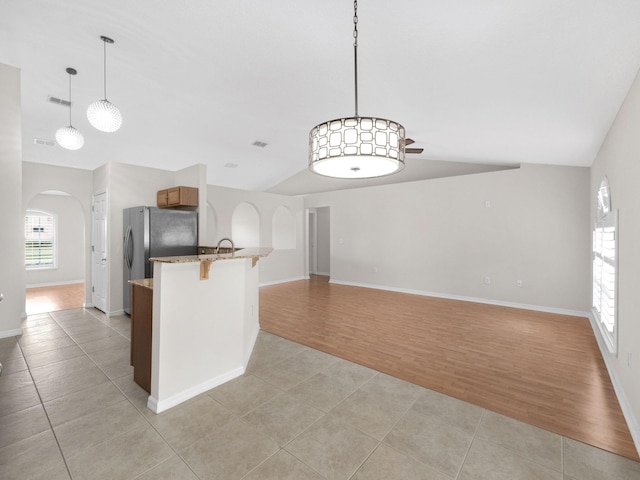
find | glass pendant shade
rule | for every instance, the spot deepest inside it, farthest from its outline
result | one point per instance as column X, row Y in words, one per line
column 357, row 147
column 69, row 138
column 104, row 116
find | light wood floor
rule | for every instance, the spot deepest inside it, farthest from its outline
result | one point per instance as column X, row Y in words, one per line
column 54, row 298
column 540, row 368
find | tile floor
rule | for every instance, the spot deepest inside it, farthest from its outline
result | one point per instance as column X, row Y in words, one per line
column 69, row 409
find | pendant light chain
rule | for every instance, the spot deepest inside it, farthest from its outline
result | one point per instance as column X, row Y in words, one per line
column 104, row 56
column 355, row 50
column 69, row 75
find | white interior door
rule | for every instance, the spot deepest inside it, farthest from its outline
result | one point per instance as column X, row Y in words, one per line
column 323, row 241
column 99, row 272
column 313, row 243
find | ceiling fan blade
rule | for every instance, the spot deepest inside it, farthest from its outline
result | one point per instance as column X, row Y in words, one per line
column 413, row 150
column 408, row 141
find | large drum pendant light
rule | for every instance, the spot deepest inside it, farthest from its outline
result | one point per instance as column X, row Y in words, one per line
column 103, row 114
column 357, row 147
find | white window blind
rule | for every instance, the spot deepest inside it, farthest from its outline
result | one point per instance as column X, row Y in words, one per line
column 605, row 277
column 39, row 233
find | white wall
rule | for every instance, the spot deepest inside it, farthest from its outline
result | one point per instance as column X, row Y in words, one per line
column 438, row 236
column 280, row 265
column 283, row 229
column 12, row 276
column 127, row 186
column 619, row 160
column 70, row 241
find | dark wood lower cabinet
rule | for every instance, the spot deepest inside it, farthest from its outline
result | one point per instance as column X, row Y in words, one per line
column 141, row 316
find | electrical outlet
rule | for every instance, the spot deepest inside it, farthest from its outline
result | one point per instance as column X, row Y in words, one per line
column 487, row 280
column 487, row 204
column 375, row 269
column 519, row 283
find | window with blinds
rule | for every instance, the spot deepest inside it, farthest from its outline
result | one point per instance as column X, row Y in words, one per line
column 605, row 277
column 39, row 234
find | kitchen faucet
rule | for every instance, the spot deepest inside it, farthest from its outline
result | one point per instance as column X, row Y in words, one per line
column 222, row 240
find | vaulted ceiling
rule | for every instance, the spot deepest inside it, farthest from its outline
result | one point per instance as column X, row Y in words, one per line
column 478, row 84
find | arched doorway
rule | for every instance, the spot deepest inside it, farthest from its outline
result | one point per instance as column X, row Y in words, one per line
column 54, row 252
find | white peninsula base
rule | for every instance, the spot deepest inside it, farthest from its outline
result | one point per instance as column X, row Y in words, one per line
column 203, row 330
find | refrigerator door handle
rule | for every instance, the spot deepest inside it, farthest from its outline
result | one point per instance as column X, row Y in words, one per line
column 128, row 247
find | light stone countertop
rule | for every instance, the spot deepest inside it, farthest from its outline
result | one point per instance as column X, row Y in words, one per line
column 143, row 282
column 250, row 252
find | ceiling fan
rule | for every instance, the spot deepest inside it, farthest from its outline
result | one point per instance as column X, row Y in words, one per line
column 409, row 141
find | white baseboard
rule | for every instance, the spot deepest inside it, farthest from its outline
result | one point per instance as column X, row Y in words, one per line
column 326, row 274
column 115, row 313
column 54, row 284
column 284, row 280
column 11, row 333
column 160, row 406
column 625, row 406
column 560, row 311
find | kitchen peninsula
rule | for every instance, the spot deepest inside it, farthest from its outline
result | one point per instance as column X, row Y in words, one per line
column 204, row 322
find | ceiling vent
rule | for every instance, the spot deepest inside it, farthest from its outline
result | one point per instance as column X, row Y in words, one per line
column 258, row 143
column 42, row 141
column 58, row 101
column 230, row 165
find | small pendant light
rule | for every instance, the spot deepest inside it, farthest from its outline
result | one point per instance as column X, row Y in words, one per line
column 69, row 137
column 103, row 114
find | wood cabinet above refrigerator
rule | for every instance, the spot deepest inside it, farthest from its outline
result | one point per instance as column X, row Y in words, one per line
column 177, row 197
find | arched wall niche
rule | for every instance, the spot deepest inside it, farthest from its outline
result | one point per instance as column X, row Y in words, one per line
column 283, row 229
column 245, row 225
column 212, row 226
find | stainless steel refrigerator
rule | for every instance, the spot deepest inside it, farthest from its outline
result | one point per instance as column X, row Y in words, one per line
column 154, row 232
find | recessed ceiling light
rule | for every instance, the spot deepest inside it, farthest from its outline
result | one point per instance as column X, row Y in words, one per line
column 260, row 144
column 230, row 165
column 42, row 141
